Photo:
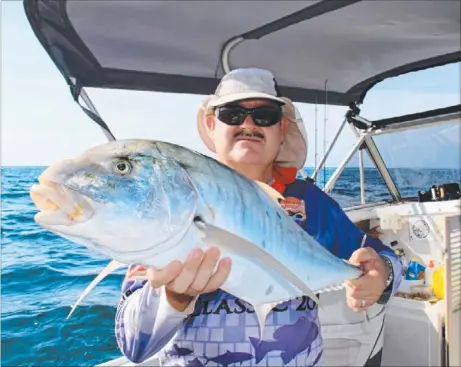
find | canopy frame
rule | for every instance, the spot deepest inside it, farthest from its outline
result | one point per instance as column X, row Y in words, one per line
column 80, row 68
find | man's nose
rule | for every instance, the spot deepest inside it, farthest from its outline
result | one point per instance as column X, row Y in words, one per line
column 248, row 121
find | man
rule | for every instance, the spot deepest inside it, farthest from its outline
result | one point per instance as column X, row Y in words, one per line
column 181, row 313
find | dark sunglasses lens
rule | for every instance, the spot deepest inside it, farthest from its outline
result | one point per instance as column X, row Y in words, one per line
column 231, row 115
column 267, row 116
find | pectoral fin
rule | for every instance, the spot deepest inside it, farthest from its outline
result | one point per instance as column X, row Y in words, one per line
column 111, row 267
column 215, row 235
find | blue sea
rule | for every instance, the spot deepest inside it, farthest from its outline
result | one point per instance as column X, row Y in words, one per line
column 43, row 275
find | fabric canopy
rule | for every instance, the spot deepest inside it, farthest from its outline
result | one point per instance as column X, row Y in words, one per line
column 319, row 51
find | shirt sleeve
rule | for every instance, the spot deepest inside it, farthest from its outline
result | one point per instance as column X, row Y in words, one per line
column 331, row 227
column 145, row 322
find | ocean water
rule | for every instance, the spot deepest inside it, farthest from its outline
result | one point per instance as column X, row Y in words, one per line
column 43, row 274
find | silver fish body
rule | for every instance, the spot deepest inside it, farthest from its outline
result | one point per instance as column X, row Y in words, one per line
column 170, row 200
column 232, row 202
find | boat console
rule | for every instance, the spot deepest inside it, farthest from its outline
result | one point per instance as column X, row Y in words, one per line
column 424, row 233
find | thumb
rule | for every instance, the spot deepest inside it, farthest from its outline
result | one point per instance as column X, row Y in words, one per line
column 362, row 255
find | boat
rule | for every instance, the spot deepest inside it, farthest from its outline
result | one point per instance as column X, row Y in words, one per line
column 322, row 52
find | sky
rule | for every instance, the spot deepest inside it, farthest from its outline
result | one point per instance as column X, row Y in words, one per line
column 40, row 123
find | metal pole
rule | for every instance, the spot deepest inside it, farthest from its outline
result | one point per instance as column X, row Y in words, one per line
column 362, row 178
column 324, row 158
column 341, row 167
column 374, row 155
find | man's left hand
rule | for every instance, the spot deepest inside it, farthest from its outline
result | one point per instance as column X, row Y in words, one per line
column 365, row 291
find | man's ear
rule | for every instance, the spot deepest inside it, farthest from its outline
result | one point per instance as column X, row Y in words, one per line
column 285, row 123
column 210, row 123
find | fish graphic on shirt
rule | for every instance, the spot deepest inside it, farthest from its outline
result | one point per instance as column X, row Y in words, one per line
column 229, row 358
column 289, row 339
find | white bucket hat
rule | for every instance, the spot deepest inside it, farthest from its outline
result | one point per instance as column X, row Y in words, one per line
column 258, row 83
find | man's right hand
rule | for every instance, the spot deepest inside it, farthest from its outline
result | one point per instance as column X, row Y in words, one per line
column 185, row 281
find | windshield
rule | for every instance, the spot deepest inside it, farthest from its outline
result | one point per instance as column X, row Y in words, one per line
column 420, row 158
column 417, row 158
column 346, row 189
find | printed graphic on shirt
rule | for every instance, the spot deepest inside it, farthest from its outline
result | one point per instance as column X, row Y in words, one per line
column 295, row 208
column 223, row 331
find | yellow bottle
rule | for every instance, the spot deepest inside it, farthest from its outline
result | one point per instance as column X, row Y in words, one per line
column 438, row 282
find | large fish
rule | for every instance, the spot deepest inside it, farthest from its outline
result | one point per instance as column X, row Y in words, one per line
column 151, row 202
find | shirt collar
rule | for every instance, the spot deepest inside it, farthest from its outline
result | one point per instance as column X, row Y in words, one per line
column 282, row 176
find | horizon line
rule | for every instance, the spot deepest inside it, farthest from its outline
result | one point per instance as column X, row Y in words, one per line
column 305, row 167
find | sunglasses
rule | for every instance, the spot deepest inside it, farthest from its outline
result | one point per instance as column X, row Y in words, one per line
column 263, row 116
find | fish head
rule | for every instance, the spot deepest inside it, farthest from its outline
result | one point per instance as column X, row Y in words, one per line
column 121, row 198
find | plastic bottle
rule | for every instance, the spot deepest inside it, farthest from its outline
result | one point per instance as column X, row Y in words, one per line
column 438, row 282
column 428, row 273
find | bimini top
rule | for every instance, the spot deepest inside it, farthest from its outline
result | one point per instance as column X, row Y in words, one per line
column 316, row 49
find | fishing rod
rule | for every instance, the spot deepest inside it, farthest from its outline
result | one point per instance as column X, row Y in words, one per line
column 316, row 136
column 325, row 133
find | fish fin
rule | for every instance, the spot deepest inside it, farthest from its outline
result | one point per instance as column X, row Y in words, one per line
column 261, row 312
column 332, row 288
column 272, row 193
column 215, row 235
column 111, row 267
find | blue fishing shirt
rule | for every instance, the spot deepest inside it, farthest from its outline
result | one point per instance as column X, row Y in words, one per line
column 222, row 330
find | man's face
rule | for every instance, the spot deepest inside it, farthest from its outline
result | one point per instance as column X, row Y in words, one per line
column 248, row 143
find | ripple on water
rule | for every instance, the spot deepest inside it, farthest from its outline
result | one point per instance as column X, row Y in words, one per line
column 42, row 276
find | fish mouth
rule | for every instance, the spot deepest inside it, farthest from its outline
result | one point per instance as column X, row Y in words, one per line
column 59, row 205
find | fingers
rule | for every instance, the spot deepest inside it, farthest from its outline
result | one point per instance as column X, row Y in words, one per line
column 181, row 283
column 204, row 272
column 364, row 287
column 157, row 278
column 220, row 276
column 359, row 304
column 195, row 276
column 363, row 292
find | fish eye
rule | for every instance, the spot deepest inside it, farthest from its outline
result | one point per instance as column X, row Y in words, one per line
column 122, row 167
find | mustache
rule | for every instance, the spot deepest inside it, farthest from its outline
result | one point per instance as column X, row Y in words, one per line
column 248, row 133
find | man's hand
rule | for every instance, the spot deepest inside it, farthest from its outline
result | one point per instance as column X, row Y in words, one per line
column 365, row 291
column 185, row 281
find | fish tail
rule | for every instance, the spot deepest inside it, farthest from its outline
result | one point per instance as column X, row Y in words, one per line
column 260, row 347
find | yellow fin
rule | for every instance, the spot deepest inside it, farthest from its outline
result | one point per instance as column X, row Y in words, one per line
column 272, row 193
